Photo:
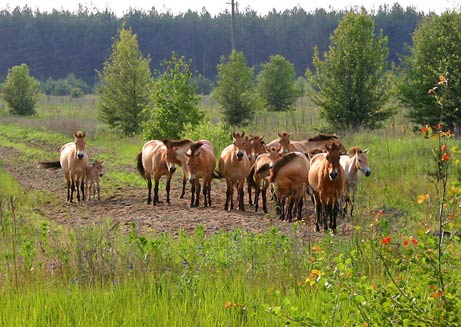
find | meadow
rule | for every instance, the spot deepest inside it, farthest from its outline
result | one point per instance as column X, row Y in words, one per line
column 389, row 270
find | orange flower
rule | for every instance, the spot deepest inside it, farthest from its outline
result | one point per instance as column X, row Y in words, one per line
column 386, row 240
column 445, row 157
column 443, row 148
column 438, row 126
column 405, row 243
column 436, row 295
column 451, row 216
column 425, row 129
column 442, row 80
column 228, row 305
column 414, row 241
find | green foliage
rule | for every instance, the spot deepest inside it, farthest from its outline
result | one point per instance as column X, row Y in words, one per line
column 351, row 84
column 276, row 84
column 65, row 86
column 125, row 85
column 435, row 52
column 175, row 102
column 20, row 91
column 218, row 134
column 235, row 90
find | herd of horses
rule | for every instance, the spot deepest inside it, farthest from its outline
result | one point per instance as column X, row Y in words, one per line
column 318, row 168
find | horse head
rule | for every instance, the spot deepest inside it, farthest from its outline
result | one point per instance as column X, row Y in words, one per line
column 99, row 167
column 284, row 140
column 80, row 144
column 362, row 162
column 239, row 141
column 333, row 153
column 169, row 156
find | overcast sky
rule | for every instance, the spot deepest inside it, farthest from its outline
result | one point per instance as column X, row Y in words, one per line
column 216, row 6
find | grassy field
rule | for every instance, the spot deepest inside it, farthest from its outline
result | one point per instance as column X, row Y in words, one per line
column 385, row 273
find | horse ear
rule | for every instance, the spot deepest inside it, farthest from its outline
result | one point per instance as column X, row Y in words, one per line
column 233, row 134
column 280, row 135
column 366, row 151
column 243, row 134
column 261, row 138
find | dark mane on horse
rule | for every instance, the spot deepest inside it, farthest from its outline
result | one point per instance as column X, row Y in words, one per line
column 195, row 146
column 180, row 142
column 354, row 150
column 282, row 162
column 322, row 137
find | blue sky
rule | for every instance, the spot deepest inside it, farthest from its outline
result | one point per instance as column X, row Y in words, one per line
column 216, row 6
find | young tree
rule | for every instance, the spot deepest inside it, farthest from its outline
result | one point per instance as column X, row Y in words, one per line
column 175, row 102
column 435, row 52
column 276, row 84
column 20, row 90
column 350, row 84
column 235, row 90
column 125, row 85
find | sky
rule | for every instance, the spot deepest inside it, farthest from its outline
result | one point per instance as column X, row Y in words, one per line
column 214, row 7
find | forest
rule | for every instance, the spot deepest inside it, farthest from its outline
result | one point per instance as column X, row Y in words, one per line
column 55, row 44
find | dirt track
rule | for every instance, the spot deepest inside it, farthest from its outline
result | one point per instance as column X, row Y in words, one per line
column 127, row 205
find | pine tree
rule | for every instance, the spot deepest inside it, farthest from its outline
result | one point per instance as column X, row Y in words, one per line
column 125, row 85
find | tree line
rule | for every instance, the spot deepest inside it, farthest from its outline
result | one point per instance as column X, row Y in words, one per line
column 58, row 43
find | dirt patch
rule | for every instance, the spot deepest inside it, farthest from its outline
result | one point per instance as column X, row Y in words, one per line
column 126, row 206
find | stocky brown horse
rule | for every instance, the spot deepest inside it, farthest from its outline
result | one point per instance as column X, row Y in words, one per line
column 254, row 147
column 259, row 178
column 355, row 162
column 289, row 176
column 157, row 158
column 327, row 181
column 73, row 160
column 234, row 166
column 200, row 164
column 312, row 145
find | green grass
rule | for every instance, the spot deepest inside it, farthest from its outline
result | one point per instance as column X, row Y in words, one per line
column 99, row 276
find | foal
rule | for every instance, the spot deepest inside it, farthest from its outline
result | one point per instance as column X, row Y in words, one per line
column 93, row 173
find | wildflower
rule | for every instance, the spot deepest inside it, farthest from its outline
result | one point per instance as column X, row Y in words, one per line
column 443, row 80
column 228, row 305
column 414, row 241
column 386, row 240
column 445, row 157
column 405, row 243
column 443, row 148
column 425, row 129
column 436, row 295
column 316, row 248
column 423, row 197
column 451, row 216
column 438, row 126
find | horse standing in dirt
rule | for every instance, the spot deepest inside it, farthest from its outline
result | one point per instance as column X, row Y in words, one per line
column 356, row 162
column 254, row 147
column 289, row 177
column 259, row 177
column 200, row 164
column 234, row 166
column 93, row 173
column 327, row 182
column 157, row 158
column 181, row 148
column 73, row 160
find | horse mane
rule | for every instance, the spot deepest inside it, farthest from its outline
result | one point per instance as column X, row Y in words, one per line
column 195, row 146
column 322, row 137
column 180, row 142
column 354, row 150
column 282, row 162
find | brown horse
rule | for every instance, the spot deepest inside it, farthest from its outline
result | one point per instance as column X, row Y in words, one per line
column 259, row 177
column 73, row 160
column 93, row 173
column 181, row 147
column 327, row 181
column 157, row 158
column 234, row 166
column 312, row 145
column 355, row 162
column 201, row 163
column 290, row 179
column 254, row 147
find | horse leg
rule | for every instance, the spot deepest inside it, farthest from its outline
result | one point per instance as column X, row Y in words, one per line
column 250, row 200
column 149, row 190
column 155, row 200
column 264, row 195
column 241, row 195
column 289, row 213
column 82, row 188
column 99, row 191
column 184, row 181
column 228, row 194
column 207, row 192
column 300, row 208
column 197, row 193
column 257, row 192
column 168, row 185
column 72, row 189
column 334, row 214
column 192, row 193
column 352, row 201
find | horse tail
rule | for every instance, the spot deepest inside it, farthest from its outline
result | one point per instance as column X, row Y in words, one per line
column 217, row 175
column 50, row 165
column 139, row 165
column 264, row 168
column 251, row 177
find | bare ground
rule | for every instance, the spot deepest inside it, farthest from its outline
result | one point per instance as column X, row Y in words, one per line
column 127, row 205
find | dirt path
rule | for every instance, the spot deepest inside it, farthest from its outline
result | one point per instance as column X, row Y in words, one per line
column 128, row 205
